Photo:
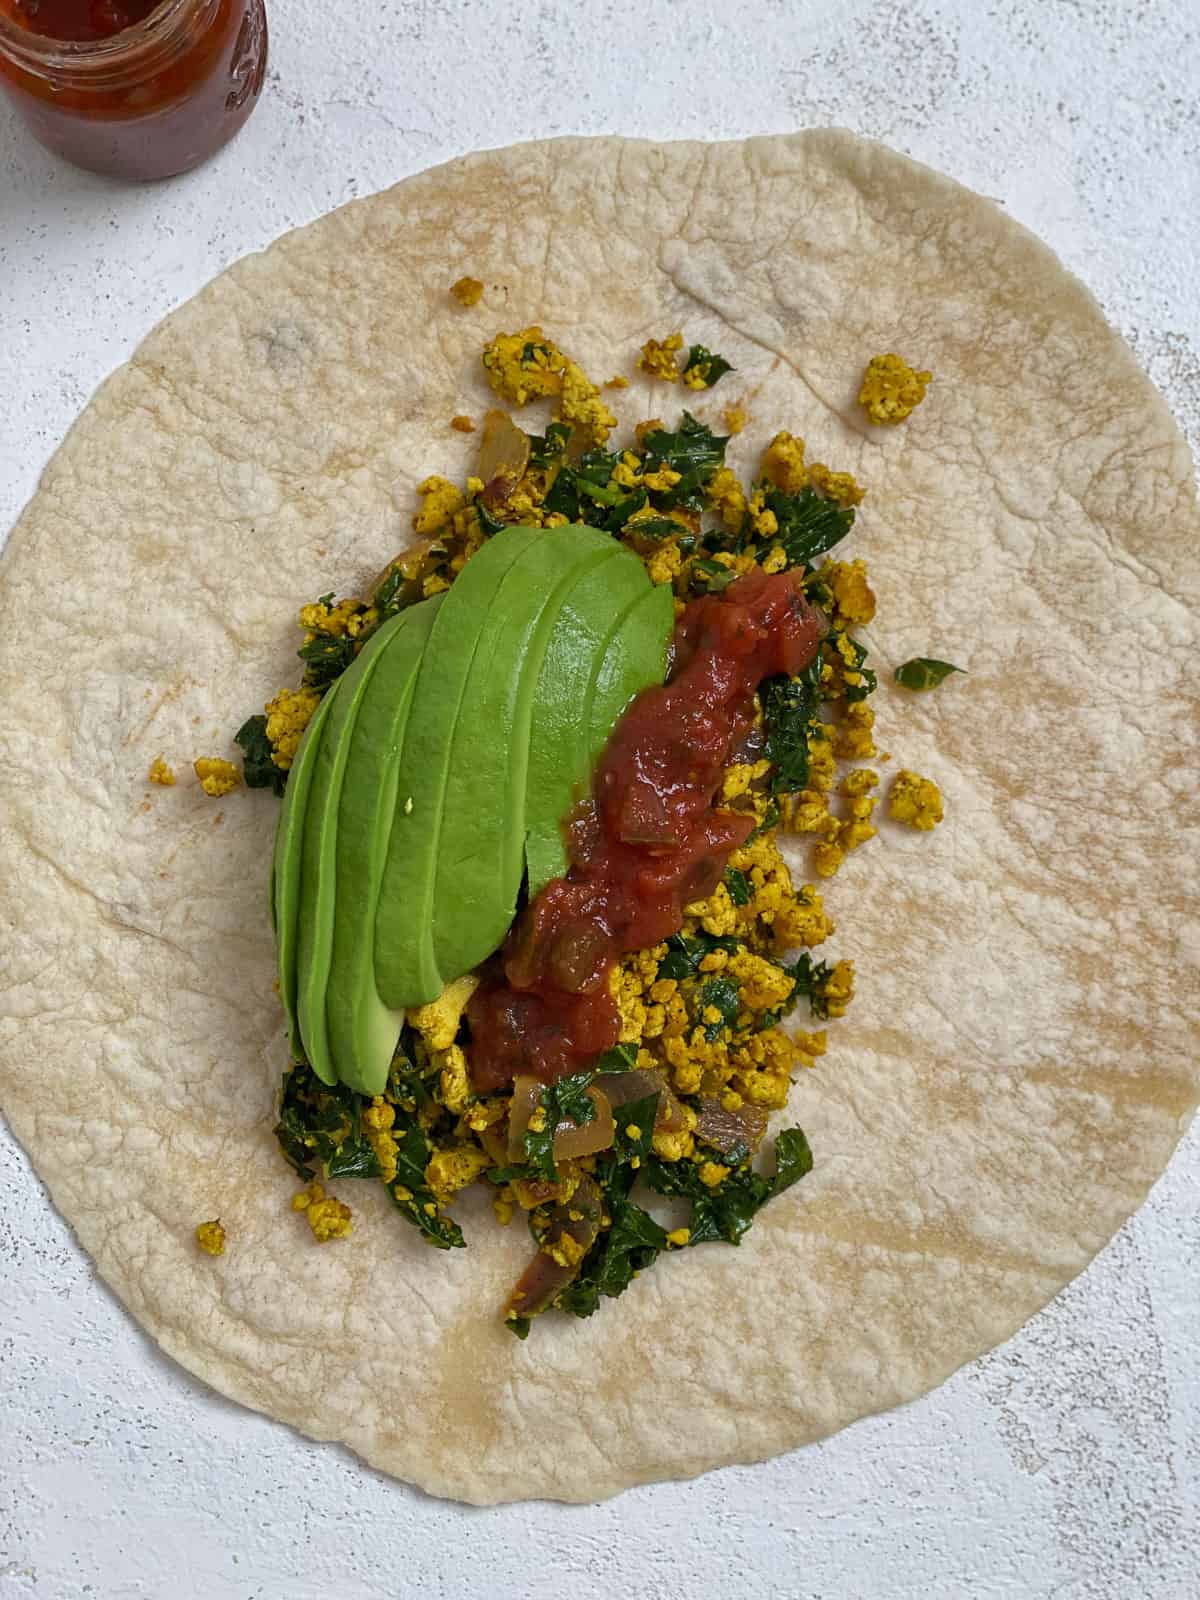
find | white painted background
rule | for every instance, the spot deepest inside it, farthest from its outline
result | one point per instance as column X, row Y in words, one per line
column 1066, row 1464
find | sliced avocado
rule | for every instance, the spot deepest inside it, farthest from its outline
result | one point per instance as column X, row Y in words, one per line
column 563, row 747
column 318, row 862
column 285, row 868
column 362, row 1031
column 634, row 657
column 481, row 850
column 406, row 972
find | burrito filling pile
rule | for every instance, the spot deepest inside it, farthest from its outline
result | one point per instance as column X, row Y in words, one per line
column 534, row 928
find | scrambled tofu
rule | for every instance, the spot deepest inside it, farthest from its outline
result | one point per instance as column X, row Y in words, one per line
column 467, row 291
column 346, row 618
column 659, row 358
column 440, row 500
column 288, row 714
column 217, row 777
column 438, row 1022
column 853, row 598
column 783, row 464
column 328, row 1218
column 891, row 390
column 210, row 1236
column 840, row 486
column 916, row 801
column 453, row 1168
column 378, row 1120
column 161, row 773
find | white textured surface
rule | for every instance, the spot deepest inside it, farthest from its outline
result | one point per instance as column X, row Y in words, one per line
column 1065, row 1464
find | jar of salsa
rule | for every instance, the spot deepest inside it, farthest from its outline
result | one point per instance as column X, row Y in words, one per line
column 133, row 88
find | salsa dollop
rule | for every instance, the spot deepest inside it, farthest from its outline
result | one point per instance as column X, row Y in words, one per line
column 647, row 843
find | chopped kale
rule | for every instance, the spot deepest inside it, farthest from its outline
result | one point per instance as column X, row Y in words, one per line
column 548, row 449
column 711, row 577
column 694, row 451
column 924, row 672
column 640, row 1116
column 727, row 1211
column 770, row 817
column 407, row 1081
column 660, row 528
column 685, row 952
column 858, row 691
column 488, row 524
column 566, row 1100
column 387, row 596
column 706, row 366
column 325, row 658
column 519, row 1325
column 410, row 1194
column 585, row 493
column 320, row 1128
column 809, row 525
column 259, row 771
column 618, row 1058
column 721, row 994
column 737, row 885
column 789, row 708
column 626, row 1248
column 808, row 977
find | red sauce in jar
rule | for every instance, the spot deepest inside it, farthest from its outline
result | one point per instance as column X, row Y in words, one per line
column 81, row 20
column 133, row 88
column 649, row 843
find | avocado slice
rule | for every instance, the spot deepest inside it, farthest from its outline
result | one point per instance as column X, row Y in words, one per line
column 481, row 850
column 601, row 619
column 362, row 1031
column 406, row 972
column 634, row 656
column 318, row 861
column 285, row 866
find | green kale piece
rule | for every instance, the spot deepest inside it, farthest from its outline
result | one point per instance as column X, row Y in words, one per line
column 409, row 1191
column 727, row 1211
column 711, row 577
column 631, row 1244
column 706, row 366
column 770, row 817
column 489, row 525
column 924, row 672
column 722, row 995
column 565, row 1100
column 790, row 714
column 685, row 952
column 856, row 692
column 548, row 449
column 259, row 771
column 808, row 977
column 737, row 885
column 325, row 658
column 320, row 1128
column 585, row 492
column 694, row 451
column 809, row 524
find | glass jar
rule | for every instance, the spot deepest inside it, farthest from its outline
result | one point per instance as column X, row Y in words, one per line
column 149, row 101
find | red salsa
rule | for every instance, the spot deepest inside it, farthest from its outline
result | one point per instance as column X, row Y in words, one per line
column 649, row 842
column 81, row 20
column 133, row 88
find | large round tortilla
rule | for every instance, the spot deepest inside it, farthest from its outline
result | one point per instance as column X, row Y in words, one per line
column 1019, row 1064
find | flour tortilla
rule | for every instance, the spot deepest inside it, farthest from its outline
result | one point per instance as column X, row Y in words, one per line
column 1020, row 1062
